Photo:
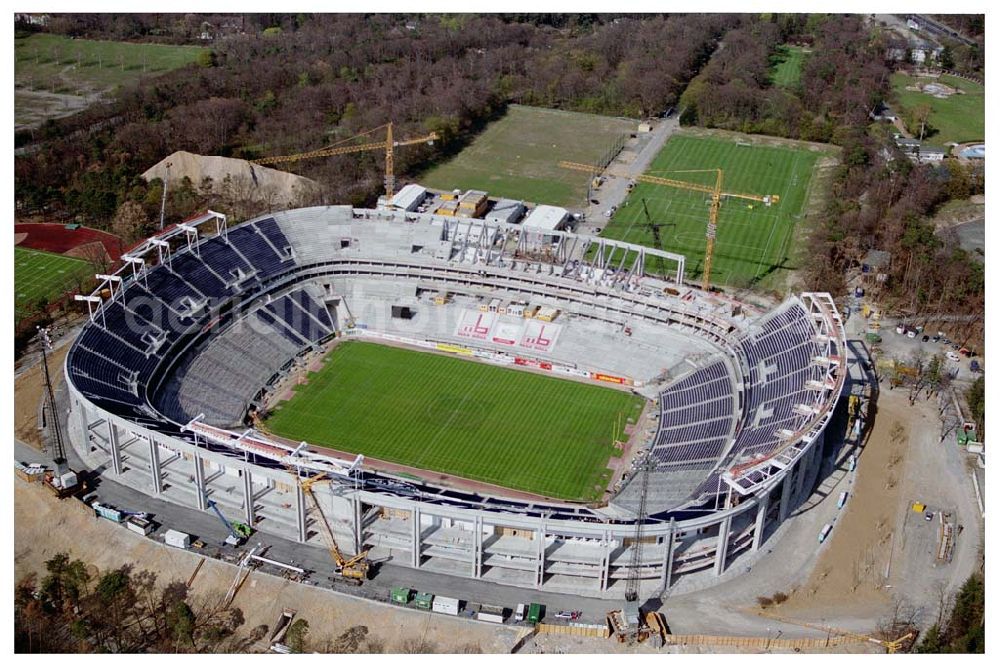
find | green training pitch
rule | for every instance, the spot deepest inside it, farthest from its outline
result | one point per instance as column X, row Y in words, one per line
column 42, row 275
column 786, row 65
column 507, row 427
column 958, row 118
column 752, row 240
column 518, row 156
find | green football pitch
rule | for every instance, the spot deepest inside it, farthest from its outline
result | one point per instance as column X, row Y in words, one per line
column 518, row 156
column 752, row 240
column 507, row 427
column 39, row 275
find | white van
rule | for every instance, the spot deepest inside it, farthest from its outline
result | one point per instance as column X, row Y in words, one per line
column 519, row 613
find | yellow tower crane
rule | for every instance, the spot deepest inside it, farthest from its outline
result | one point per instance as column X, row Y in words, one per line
column 338, row 148
column 713, row 211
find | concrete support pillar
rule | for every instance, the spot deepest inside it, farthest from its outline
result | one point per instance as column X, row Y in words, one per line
column 606, row 562
column 758, row 531
column 802, row 469
column 154, row 466
column 722, row 548
column 415, row 550
column 666, row 573
column 786, row 497
column 300, row 513
column 248, row 510
column 358, row 528
column 540, row 571
column 201, row 492
column 116, row 450
column 84, row 418
column 477, row 547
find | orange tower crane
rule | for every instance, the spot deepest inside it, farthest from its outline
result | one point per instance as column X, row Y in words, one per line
column 713, row 210
column 339, row 148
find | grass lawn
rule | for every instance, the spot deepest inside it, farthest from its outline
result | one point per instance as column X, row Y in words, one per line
column 507, row 427
column 752, row 241
column 518, row 155
column 786, row 65
column 958, row 118
column 39, row 275
column 45, row 63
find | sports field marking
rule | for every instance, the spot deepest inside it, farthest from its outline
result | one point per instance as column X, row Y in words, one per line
column 752, row 239
column 39, row 275
column 507, row 427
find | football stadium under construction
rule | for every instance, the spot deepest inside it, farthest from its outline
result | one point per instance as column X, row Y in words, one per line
column 206, row 325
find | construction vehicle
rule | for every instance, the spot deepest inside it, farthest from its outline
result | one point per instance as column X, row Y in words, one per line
column 354, row 569
column 339, row 148
column 715, row 192
column 63, row 485
column 238, row 532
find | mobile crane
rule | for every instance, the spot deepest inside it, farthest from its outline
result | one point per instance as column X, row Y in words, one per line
column 715, row 192
column 354, row 569
column 238, row 532
column 339, row 148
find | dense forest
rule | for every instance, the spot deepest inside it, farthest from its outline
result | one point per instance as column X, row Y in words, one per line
column 963, row 631
column 303, row 82
column 279, row 84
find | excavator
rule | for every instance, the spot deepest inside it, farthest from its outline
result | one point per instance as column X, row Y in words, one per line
column 354, row 569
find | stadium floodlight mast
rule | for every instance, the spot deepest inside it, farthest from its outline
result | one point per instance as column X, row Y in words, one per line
column 112, row 280
column 60, row 454
column 163, row 202
column 90, row 308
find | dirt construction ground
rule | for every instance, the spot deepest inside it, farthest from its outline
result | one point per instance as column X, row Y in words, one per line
column 69, row 526
column 28, row 391
column 881, row 551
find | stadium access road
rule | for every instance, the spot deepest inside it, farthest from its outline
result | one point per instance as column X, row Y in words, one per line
column 686, row 613
column 614, row 191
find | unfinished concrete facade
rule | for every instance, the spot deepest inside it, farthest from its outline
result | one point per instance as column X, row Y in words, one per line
column 541, row 545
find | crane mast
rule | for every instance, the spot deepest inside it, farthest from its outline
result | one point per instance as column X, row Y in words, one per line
column 713, row 212
column 388, row 145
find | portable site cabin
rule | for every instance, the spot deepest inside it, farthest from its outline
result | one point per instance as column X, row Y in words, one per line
column 825, row 532
column 139, row 525
column 516, row 308
column 493, row 614
column 409, row 198
column 506, row 210
column 543, row 220
column 401, row 595
column 546, row 313
column 534, row 613
column 177, row 539
column 445, row 605
column 108, row 512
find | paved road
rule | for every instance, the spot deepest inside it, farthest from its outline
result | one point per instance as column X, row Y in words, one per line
column 616, row 177
column 972, row 237
column 696, row 612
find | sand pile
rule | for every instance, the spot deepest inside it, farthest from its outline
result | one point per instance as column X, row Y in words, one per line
column 245, row 180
